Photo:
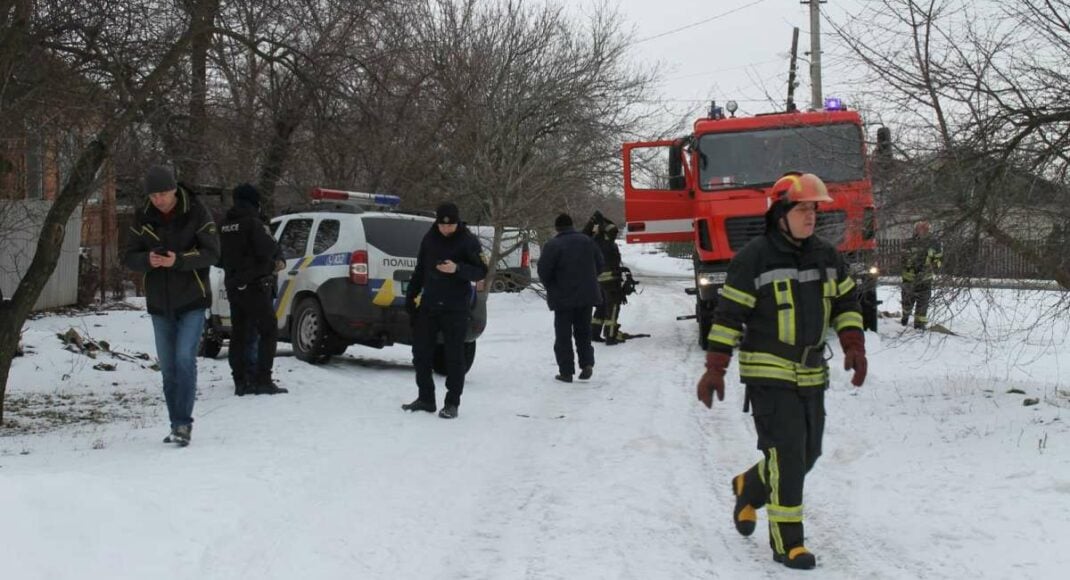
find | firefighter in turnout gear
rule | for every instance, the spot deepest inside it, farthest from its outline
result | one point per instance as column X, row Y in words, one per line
column 605, row 325
column 922, row 257
column 785, row 288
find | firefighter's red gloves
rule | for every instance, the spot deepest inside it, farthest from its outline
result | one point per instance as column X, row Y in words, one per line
column 713, row 379
column 854, row 355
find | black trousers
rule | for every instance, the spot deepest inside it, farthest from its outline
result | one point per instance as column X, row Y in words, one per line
column 569, row 324
column 252, row 311
column 790, row 423
column 453, row 324
column 915, row 296
column 604, row 323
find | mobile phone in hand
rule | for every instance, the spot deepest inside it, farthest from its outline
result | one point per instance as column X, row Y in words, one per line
column 160, row 251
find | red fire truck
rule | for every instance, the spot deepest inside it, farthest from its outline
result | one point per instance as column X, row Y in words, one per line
column 715, row 191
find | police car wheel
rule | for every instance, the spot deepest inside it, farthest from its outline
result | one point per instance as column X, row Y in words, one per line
column 210, row 347
column 310, row 332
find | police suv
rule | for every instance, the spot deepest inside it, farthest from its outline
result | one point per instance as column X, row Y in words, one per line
column 349, row 259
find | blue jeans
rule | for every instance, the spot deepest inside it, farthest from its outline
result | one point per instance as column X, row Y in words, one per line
column 177, row 339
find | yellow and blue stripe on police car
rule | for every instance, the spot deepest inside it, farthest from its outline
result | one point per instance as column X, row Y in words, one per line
column 385, row 292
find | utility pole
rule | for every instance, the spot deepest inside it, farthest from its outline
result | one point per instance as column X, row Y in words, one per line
column 815, row 54
column 791, row 70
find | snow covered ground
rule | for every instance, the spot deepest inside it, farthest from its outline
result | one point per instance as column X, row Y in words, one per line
column 931, row 470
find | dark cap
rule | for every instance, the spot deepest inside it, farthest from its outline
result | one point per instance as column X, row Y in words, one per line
column 159, row 178
column 247, row 193
column 563, row 222
column 447, row 213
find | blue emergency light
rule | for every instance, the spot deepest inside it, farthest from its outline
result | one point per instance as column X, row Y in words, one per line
column 834, row 104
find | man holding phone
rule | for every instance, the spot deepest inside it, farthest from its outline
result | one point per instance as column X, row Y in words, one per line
column 174, row 242
column 449, row 260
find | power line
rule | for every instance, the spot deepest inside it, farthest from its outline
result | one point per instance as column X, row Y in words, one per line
column 732, row 68
column 699, row 23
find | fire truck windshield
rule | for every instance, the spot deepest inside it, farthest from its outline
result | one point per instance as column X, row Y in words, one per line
column 758, row 158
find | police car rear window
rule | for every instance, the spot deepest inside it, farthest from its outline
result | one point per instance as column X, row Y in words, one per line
column 396, row 237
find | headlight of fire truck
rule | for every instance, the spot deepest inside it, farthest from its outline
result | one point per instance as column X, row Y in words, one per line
column 861, row 268
column 712, row 278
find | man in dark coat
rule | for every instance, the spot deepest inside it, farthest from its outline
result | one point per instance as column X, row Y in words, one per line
column 569, row 268
column 174, row 242
column 439, row 299
column 249, row 256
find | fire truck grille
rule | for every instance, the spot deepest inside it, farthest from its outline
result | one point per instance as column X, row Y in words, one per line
column 831, row 226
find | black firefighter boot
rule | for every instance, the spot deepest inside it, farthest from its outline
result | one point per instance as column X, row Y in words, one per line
column 794, row 554
column 745, row 487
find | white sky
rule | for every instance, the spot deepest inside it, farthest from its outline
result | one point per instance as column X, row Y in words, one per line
column 732, row 49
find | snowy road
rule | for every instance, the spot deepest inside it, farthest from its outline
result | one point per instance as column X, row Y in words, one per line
column 931, row 470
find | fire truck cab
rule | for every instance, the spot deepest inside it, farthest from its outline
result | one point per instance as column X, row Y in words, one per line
column 711, row 188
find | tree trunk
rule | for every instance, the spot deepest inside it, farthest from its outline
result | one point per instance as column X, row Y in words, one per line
column 190, row 169
column 75, row 190
column 278, row 151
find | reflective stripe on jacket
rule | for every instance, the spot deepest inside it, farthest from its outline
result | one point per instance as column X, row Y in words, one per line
column 777, row 305
column 922, row 257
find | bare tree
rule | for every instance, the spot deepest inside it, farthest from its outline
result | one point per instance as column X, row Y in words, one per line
column 976, row 95
column 114, row 59
column 538, row 107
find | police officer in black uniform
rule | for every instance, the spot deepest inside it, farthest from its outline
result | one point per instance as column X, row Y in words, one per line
column 439, row 299
column 248, row 259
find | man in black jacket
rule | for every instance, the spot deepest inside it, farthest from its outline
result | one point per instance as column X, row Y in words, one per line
column 784, row 289
column 569, row 267
column 174, row 242
column 249, row 257
column 439, row 299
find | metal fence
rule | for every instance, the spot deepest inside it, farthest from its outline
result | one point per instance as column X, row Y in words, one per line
column 20, row 227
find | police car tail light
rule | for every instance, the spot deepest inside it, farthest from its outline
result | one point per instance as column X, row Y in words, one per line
column 358, row 267
column 525, row 257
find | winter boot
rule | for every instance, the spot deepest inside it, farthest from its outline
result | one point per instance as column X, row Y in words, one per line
column 270, row 388
column 241, row 388
column 744, row 515
column 564, row 378
column 180, row 435
column 420, row 405
column 448, row 412
column 798, row 558
column 586, row 372
column 903, row 320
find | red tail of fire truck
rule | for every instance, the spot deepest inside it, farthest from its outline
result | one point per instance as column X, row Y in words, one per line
column 715, row 193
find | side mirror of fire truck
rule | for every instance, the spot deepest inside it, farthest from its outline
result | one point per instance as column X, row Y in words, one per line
column 677, row 181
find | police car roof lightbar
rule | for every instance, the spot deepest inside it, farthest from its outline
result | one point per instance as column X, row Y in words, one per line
column 360, row 198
